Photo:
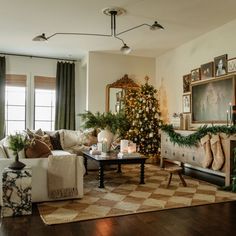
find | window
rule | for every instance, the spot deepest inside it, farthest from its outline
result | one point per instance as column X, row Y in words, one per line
column 15, row 103
column 45, row 97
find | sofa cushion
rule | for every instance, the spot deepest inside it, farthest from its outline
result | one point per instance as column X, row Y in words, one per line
column 38, row 149
column 59, row 152
column 55, row 139
column 77, row 149
column 2, row 152
column 69, row 138
column 6, row 150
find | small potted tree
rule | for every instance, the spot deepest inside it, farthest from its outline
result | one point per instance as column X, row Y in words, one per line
column 16, row 143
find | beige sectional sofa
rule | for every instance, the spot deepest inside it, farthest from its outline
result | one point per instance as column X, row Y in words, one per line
column 72, row 142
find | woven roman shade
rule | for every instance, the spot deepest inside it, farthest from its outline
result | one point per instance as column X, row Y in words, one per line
column 42, row 82
column 16, row 80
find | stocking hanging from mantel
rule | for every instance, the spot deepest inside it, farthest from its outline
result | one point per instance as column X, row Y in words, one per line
column 224, row 139
column 217, row 151
column 205, row 141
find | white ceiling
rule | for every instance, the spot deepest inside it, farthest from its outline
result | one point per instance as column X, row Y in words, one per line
column 184, row 20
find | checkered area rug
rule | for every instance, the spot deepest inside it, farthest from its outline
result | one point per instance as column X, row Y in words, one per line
column 123, row 195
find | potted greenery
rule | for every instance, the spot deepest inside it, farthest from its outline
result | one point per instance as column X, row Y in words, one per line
column 16, row 143
column 109, row 124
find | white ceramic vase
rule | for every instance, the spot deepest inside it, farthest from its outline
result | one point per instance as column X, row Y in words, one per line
column 106, row 134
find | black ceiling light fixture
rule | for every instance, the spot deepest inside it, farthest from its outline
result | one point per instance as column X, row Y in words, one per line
column 112, row 12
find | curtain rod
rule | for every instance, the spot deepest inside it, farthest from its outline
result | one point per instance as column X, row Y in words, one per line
column 22, row 55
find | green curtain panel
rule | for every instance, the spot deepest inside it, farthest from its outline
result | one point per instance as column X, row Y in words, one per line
column 2, row 96
column 65, row 96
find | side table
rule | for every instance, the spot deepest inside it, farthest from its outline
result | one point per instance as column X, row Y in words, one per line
column 16, row 192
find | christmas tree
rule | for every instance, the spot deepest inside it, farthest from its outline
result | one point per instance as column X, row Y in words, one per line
column 142, row 111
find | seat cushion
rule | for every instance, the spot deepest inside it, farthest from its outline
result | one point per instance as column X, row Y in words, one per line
column 77, row 149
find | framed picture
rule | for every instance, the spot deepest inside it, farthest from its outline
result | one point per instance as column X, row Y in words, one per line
column 186, row 103
column 210, row 100
column 220, row 64
column 232, row 65
column 195, row 75
column 186, row 83
column 207, row 70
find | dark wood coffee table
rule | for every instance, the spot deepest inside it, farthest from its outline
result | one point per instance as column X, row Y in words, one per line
column 112, row 159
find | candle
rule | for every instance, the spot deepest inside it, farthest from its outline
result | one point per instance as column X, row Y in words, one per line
column 227, row 117
column 132, row 148
column 104, row 145
column 230, row 113
column 99, row 145
column 124, row 145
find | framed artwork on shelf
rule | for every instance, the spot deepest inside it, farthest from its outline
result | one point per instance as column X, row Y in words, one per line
column 207, row 70
column 186, row 103
column 231, row 65
column 186, row 83
column 211, row 99
column 195, row 75
column 220, row 65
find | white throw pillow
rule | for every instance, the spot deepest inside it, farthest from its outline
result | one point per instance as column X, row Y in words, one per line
column 69, row 138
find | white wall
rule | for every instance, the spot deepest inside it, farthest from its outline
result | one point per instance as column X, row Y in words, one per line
column 43, row 67
column 171, row 66
column 104, row 68
column 80, row 91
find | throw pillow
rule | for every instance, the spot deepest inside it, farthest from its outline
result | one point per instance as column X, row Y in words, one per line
column 55, row 139
column 46, row 139
column 32, row 133
column 2, row 152
column 8, row 151
column 39, row 134
column 69, row 138
column 38, row 149
column 88, row 137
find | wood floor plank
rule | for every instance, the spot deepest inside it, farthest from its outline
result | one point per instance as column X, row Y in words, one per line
column 215, row 219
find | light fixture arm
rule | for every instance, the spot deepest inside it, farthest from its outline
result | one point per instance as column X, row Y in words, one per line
column 119, row 39
column 106, row 35
column 135, row 27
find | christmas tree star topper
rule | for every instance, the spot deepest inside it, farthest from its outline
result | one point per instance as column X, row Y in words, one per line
column 146, row 79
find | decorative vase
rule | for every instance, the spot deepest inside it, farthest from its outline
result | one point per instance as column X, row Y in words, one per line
column 107, row 135
column 17, row 165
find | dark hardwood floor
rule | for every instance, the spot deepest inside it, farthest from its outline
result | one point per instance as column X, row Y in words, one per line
column 214, row 219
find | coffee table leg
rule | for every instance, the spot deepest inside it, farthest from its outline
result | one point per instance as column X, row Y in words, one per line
column 86, row 165
column 142, row 173
column 119, row 168
column 101, row 175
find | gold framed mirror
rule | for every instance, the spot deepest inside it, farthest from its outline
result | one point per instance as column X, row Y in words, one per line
column 115, row 93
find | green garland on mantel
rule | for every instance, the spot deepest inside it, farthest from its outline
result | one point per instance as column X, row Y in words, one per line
column 194, row 138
